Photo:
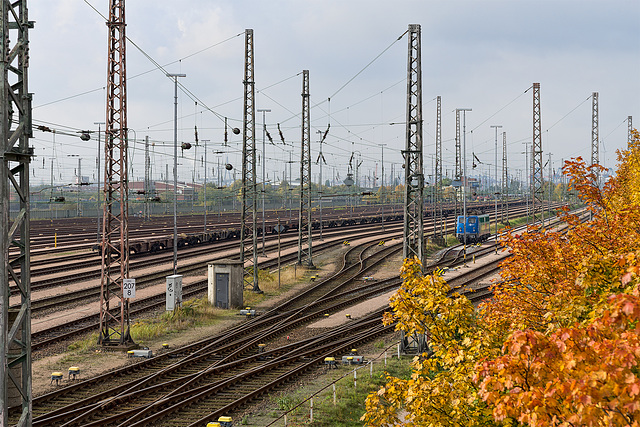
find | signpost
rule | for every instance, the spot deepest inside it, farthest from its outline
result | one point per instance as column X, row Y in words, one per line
column 129, row 288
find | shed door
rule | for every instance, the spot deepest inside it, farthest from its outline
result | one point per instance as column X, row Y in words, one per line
column 222, row 290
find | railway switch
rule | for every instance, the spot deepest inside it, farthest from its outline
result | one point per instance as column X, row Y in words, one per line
column 146, row 353
column 57, row 377
column 214, row 424
column 248, row 312
column 225, row 422
column 330, row 362
column 74, row 372
column 352, row 360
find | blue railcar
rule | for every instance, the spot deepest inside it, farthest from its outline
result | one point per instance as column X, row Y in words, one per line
column 477, row 229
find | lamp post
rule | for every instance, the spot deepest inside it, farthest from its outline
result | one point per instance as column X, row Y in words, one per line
column 464, row 179
column 495, row 193
column 382, row 184
column 320, row 193
column 79, row 180
column 526, row 173
column 175, row 170
column 264, row 131
column 205, row 183
column 99, row 195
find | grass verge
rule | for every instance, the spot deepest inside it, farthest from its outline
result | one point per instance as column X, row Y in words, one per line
column 350, row 397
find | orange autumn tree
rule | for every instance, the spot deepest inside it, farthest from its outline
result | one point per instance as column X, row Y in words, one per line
column 558, row 343
column 576, row 362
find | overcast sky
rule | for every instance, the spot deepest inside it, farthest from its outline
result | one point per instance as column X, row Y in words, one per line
column 477, row 54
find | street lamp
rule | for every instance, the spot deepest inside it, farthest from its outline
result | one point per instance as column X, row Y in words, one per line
column 205, row 184
column 264, row 131
column 175, row 170
column 99, row 195
column 495, row 193
column 320, row 192
column 464, row 179
column 382, row 184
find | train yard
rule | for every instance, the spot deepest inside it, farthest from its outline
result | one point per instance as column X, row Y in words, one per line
column 223, row 373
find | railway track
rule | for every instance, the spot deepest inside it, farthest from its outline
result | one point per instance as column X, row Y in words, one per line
column 188, row 387
column 216, row 376
column 65, row 332
column 243, row 345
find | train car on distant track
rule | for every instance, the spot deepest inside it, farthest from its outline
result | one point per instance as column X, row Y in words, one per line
column 477, row 228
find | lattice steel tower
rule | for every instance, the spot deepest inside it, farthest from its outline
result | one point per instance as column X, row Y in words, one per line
column 537, row 193
column 15, row 131
column 505, row 182
column 249, row 186
column 595, row 151
column 458, row 158
column 114, row 323
column 304, row 219
column 413, row 245
column 437, row 225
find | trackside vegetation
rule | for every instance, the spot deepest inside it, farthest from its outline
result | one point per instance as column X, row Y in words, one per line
column 557, row 345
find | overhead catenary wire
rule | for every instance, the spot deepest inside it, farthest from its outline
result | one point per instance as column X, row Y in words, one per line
column 368, row 65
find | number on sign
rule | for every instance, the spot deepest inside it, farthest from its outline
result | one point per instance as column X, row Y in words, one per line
column 129, row 288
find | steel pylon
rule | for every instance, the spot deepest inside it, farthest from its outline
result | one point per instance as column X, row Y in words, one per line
column 304, row 218
column 413, row 245
column 537, row 192
column 438, row 231
column 249, row 186
column 114, row 326
column 15, row 131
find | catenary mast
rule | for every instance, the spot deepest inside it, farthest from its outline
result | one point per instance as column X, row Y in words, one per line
column 304, row 219
column 414, row 175
column 114, row 308
column 15, row 131
column 249, row 185
column 537, row 192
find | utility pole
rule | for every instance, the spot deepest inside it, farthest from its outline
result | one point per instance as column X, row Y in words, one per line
column 413, row 243
column 304, row 218
column 15, row 153
column 166, row 186
column 382, row 192
column 321, row 161
column 495, row 192
column 147, row 186
column 464, row 179
column 205, row 182
column 114, row 328
column 175, row 171
column 550, row 184
column 458, row 158
column 79, row 184
column 99, row 197
column 505, row 181
column 595, row 146
column 264, row 162
column 437, row 218
column 526, row 174
column 536, row 155
column 249, row 186
column 629, row 129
